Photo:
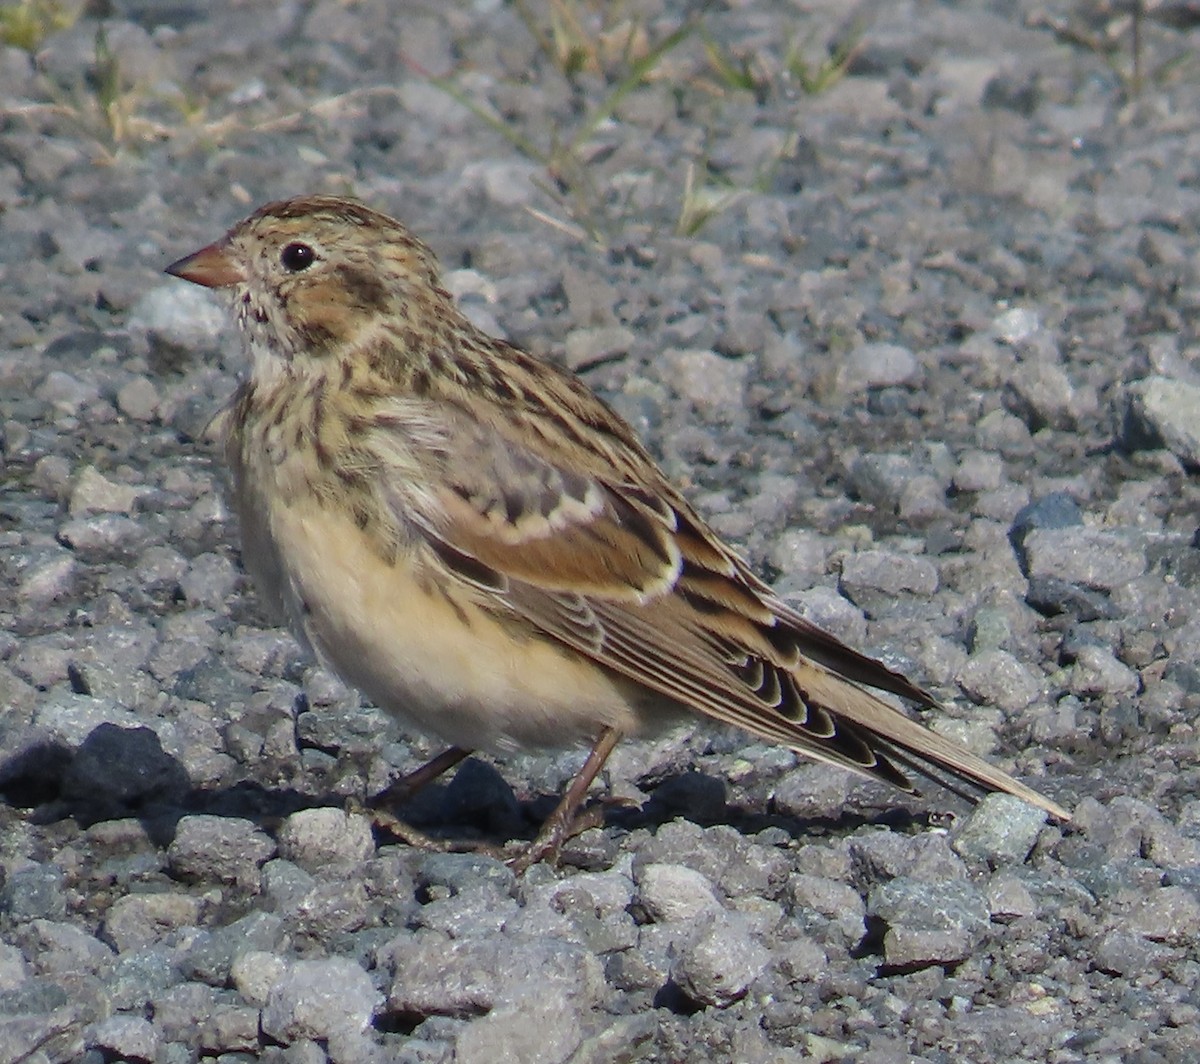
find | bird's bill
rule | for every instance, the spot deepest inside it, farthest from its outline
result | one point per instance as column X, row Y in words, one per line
column 212, row 267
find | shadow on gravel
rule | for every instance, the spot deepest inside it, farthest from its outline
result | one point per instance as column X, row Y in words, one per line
column 125, row 772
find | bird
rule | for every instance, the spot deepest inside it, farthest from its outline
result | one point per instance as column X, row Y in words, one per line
column 479, row 544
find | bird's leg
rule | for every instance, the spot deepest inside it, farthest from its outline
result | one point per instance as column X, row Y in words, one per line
column 405, row 787
column 559, row 826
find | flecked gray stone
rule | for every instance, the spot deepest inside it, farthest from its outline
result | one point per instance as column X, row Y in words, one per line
column 1009, row 899
column 1093, row 557
column 219, row 849
column 93, row 492
column 137, row 920
column 317, row 838
column 187, row 317
column 838, row 903
column 590, row 347
column 1169, row 914
column 1165, row 412
column 318, row 998
column 231, row 1030
column 254, row 972
column 997, row 678
column 546, row 1028
column 888, row 572
column 675, row 892
column 719, row 961
column 928, row 923
column 1001, row 830
column 434, row 975
column 132, row 1038
column 876, row 365
column 1098, row 672
column 63, row 947
column 34, row 892
column 714, row 385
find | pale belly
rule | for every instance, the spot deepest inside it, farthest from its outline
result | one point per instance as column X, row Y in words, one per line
column 438, row 661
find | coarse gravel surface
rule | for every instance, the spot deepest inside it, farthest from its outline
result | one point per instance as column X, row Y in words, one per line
column 921, row 341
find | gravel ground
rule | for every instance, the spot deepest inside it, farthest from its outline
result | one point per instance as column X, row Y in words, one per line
column 922, row 343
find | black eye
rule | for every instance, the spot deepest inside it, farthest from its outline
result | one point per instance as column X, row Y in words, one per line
column 297, row 257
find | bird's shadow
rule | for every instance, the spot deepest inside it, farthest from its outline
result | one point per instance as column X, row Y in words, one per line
column 120, row 772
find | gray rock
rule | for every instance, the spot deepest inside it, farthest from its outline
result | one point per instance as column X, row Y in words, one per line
column 219, row 849
column 1053, row 511
column 722, row 855
column 231, row 1029
column 1162, row 412
column 1000, row 830
column 330, row 906
column 1043, row 395
column 997, row 678
column 838, row 903
column 545, row 1028
column 63, row 947
column 433, row 975
column 34, row 892
column 1170, row 914
column 137, row 920
column 211, row 955
column 978, row 471
column 139, row 976
column 319, row 998
column 715, row 386
column 139, row 399
column 209, row 580
column 586, row 348
column 46, row 576
column 833, row 612
column 93, row 492
column 813, row 791
column 1098, row 672
column 1093, row 557
column 315, row 839
column 876, row 365
column 870, row 571
column 104, row 537
column 719, row 961
column 13, row 968
column 892, row 482
column 668, row 892
column 286, row 884
column 132, row 1038
column 447, row 874
column 1009, row 899
column 67, row 394
column 881, row 855
column 179, row 1011
column 928, row 923
column 183, row 315
column 1121, row 827
column 1017, row 325
column 1052, row 596
column 606, row 894
column 254, row 972
column 1128, row 955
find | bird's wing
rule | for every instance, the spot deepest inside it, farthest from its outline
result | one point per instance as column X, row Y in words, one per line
column 559, row 516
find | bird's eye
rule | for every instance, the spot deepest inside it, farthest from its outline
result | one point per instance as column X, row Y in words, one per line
column 296, row 257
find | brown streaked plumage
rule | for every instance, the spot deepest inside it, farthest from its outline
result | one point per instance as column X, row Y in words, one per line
column 484, row 548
